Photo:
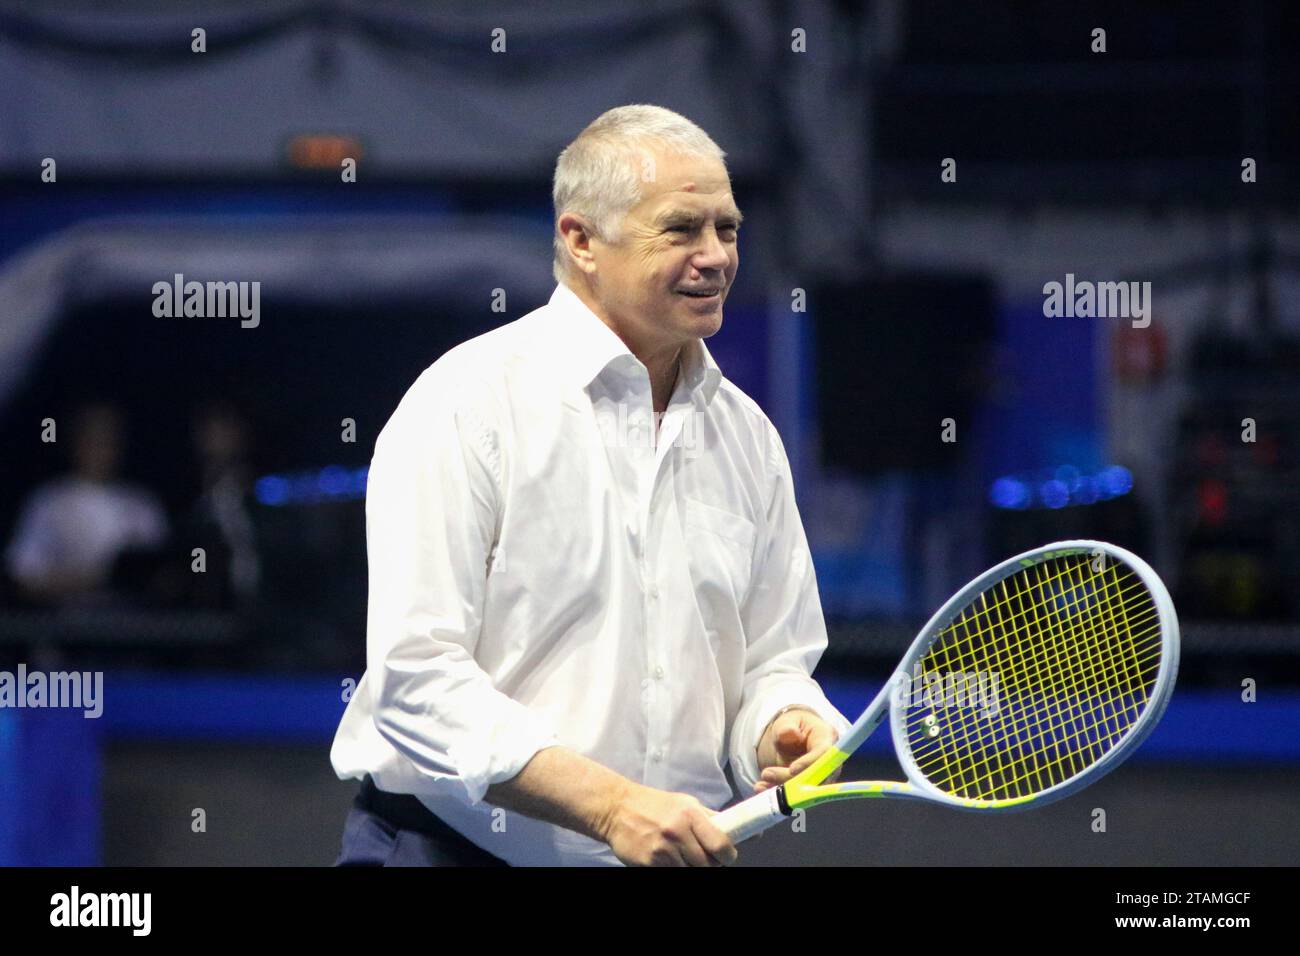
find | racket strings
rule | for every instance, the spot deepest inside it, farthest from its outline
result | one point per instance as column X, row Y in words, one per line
column 1075, row 653
column 1059, row 693
column 1005, row 664
column 981, row 634
column 1019, row 661
column 1031, row 777
column 1054, row 704
column 1064, row 705
column 1067, row 692
column 1013, row 654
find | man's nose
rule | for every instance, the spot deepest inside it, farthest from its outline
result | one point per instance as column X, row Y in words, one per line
column 712, row 255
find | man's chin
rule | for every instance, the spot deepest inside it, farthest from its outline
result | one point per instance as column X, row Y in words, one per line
column 702, row 326
column 706, row 319
column 711, row 324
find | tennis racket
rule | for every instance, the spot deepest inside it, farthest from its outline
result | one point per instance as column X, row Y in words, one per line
column 1036, row 679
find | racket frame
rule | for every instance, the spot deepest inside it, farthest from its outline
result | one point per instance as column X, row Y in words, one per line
column 805, row 790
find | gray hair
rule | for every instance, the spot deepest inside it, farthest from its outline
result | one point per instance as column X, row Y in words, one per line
column 597, row 176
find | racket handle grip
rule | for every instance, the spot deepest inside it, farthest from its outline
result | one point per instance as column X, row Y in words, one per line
column 751, row 817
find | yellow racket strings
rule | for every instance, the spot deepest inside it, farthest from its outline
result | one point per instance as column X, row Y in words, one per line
column 1015, row 730
column 1063, row 707
column 1059, row 690
column 1062, row 656
column 993, row 760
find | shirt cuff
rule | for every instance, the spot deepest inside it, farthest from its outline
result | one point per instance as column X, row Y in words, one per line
column 502, row 752
column 754, row 718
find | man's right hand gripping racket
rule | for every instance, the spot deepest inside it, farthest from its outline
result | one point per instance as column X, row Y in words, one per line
column 1036, row 679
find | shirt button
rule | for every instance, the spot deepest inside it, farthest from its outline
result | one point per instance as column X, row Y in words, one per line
column 659, row 673
column 654, row 591
column 657, row 756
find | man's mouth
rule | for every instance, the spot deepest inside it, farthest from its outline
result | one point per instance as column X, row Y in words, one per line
column 700, row 293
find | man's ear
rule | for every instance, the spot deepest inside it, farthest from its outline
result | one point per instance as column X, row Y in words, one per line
column 577, row 236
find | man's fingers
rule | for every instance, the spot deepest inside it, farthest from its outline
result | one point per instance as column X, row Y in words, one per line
column 715, row 843
column 794, row 734
column 806, row 761
column 692, row 853
column 823, row 736
column 672, row 858
column 774, row 775
column 702, row 842
column 799, row 742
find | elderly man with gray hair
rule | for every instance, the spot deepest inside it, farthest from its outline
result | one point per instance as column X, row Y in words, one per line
column 590, row 589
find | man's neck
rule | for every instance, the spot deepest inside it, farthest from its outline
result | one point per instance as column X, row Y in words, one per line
column 663, row 365
column 664, row 381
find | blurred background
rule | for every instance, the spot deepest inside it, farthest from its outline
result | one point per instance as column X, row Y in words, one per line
column 875, row 302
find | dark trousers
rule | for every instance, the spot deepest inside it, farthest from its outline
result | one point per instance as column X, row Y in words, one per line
column 392, row 829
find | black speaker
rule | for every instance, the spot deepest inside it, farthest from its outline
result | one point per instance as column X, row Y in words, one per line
column 895, row 356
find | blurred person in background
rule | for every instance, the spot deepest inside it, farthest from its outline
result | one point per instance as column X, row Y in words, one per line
column 73, row 530
column 220, row 519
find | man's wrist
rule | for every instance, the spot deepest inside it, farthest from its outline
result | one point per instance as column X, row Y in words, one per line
column 612, row 798
column 562, row 787
column 785, row 710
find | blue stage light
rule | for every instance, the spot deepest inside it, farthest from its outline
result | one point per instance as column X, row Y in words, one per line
column 1054, row 493
column 333, row 481
column 271, row 490
column 1115, row 481
column 1060, row 486
column 1084, row 491
column 1009, row 493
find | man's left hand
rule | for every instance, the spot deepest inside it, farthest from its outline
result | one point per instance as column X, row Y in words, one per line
column 790, row 744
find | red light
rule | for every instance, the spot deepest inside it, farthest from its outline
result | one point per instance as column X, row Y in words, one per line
column 1212, row 499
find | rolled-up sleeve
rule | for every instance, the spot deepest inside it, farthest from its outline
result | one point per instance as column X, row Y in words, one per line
column 785, row 632
column 432, row 503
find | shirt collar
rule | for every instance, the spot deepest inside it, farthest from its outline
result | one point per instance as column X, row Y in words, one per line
column 587, row 346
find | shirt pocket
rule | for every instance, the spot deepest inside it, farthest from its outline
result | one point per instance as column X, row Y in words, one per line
column 720, row 548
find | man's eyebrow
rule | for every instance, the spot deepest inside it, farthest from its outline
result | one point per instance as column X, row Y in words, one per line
column 676, row 216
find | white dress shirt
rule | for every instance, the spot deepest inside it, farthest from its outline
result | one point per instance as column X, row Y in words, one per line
column 545, row 570
column 77, row 526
